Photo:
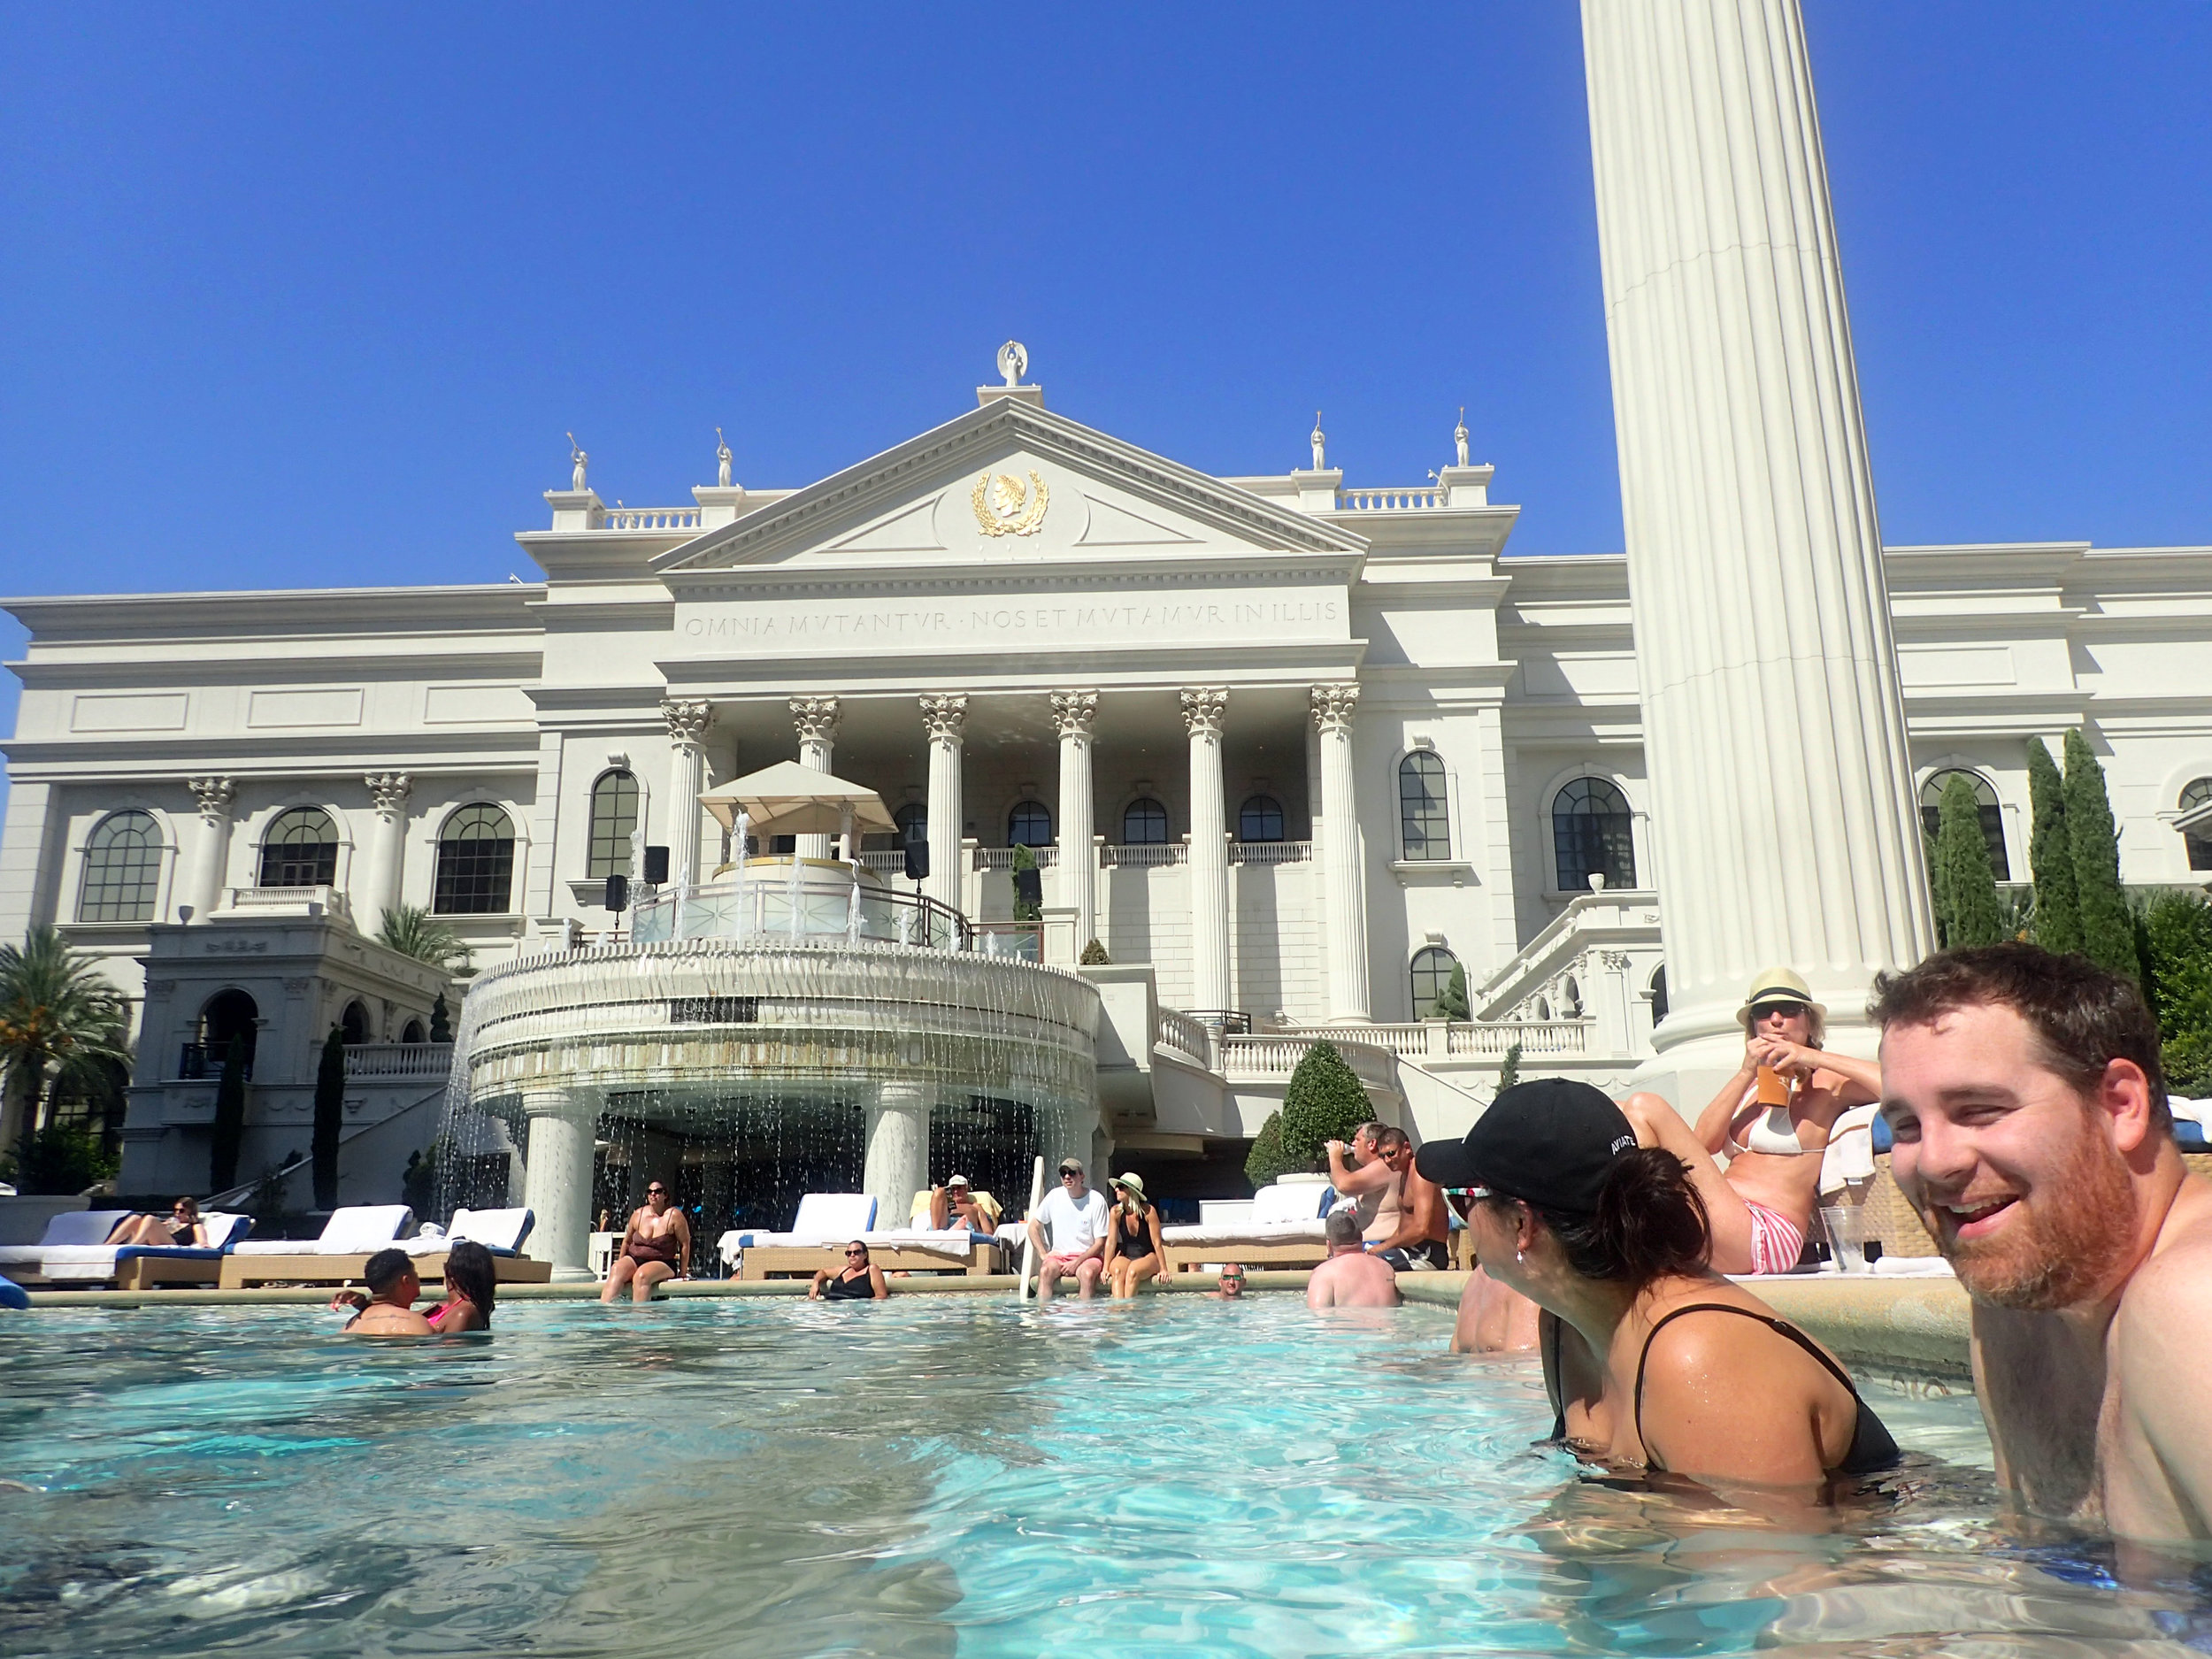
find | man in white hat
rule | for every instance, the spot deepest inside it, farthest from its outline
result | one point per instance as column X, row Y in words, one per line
column 955, row 1205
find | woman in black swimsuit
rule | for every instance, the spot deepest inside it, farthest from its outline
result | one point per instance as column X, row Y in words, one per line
column 1133, row 1250
column 861, row 1281
column 1652, row 1360
column 182, row 1227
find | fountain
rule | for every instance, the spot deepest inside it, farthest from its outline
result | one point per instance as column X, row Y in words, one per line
column 793, row 1024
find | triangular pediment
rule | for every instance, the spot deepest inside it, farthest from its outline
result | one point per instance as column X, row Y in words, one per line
column 1007, row 483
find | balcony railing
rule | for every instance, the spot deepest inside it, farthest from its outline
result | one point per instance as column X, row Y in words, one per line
column 1414, row 500
column 824, row 901
column 1271, row 852
column 399, row 1059
column 201, row 1061
column 1003, row 857
column 1150, row 855
column 649, row 518
column 1276, row 1055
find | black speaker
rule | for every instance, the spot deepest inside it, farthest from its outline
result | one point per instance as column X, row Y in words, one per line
column 918, row 861
column 1029, row 886
column 656, row 865
column 618, row 893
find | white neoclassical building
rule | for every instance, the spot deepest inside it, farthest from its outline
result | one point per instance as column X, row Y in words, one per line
column 1288, row 749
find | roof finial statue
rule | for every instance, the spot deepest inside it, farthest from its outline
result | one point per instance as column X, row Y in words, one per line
column 1459, row 436
column 722, row 459
column 1319, row 438
column 1013, row 362
column 577, row 460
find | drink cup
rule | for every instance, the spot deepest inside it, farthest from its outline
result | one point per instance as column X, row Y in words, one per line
column 1846, row 1226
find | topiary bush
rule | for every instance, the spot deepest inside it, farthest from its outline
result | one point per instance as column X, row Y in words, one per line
column 2176, row 939
column 1094, row 956
column 1324, row 1103
column 1264, row 1161
column 1967, row 910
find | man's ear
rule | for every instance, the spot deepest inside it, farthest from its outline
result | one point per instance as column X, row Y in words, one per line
column 2124, row 1096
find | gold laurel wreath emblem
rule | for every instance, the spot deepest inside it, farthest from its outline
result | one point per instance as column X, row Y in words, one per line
column 1003, row 508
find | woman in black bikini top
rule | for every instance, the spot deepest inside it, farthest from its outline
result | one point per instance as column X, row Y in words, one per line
column 861, row 1281
column 1610, row 1238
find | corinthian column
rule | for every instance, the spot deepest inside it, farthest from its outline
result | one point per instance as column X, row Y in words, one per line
column 1073, row 715
column 687, row 721
column 211, row 854
column 387, row 845
column 1773, row 727
column 946, row 718
column 817, row 720
column 1343, row 860
column 1203, row 710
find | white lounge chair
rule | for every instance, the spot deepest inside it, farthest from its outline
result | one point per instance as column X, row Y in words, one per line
column 349, row 1239
column 499, row 1231
column 1284, row 1230
column 824, row 1220
column 142, row 1266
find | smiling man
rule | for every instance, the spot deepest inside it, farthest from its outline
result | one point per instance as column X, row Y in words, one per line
column 2029, row 1107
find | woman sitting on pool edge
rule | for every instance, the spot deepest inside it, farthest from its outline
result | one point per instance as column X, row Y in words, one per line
column 861, row 1281
column 1133, row 1250
column 1649, row 1355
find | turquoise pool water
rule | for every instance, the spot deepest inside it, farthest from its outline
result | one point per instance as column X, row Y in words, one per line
column 933, row 1476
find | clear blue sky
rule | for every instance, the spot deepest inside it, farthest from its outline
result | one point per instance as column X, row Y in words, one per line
column 307, row 295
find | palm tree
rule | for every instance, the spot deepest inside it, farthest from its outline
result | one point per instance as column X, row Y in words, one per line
column 61, row 1022
column 413, row 932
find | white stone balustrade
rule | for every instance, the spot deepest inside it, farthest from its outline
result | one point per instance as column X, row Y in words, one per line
column 399, row 1059
column 1418, row 499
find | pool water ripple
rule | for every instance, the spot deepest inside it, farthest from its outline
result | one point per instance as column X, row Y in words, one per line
column 935, row 1476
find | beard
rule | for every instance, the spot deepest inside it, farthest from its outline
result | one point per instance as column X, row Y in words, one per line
column 2069, row 1241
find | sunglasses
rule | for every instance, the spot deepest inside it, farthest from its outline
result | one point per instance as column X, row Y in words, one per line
column 1232, row 1278
column 1788, row 1011
column 1069, row 1175
column 856, row 1253
column 657, row 1192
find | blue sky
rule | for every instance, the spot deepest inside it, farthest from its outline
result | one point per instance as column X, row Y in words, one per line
column 308, row 296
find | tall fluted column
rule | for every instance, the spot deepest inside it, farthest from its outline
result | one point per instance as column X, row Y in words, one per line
column 896, row 1167
column 1773, row 726
column 1073, row 714
column 945, row 718
column 387, row 847
column 687, row 721
column 817, row 720
column 556, row 1177
column 1343, row 859
column 211, row 854
column 1203, row 708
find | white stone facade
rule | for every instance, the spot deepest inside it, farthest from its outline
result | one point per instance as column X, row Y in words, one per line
column 958, row 623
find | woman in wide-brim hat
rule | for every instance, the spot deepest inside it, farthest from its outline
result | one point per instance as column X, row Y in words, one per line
column 1756, row 1162
column 1133, row 1250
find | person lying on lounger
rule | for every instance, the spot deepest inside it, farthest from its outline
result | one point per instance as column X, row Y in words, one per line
column 389, row 1308
column 956, row 1204
column 182, row 1228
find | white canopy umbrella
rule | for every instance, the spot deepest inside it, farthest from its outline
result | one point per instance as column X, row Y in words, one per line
column 788, row 799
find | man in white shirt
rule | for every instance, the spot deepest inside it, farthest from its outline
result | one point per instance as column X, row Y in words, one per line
column 1077, row 1240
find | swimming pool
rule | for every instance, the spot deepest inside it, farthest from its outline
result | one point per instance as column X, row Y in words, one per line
column 929, row 1476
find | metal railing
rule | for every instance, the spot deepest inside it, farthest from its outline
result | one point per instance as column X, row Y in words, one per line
column 399, row 1059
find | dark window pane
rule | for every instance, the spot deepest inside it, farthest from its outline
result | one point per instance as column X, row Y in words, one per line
column 122, row 869
column 1985, row 809
column 1029, row 825
column 1432, row 974
column 476, row 864
column 913, row 821
column 1260, row 820
column 1144, row 824
column 1423, row 825
column 1592, row 831
column 613, row 821
column 2198, row 847
column 300, row 850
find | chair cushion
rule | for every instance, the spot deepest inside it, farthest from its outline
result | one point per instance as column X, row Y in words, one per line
column 361, row 1227
column 224, row 1229
column 1274, row 1232
column 1291, row 1200
column 834, row 1215
column 496, row 1229
column 82, row 1226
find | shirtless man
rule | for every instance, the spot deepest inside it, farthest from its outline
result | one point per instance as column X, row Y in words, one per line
column 1493, row 1319
column 390, row 1308
column 2028, row 1101
column 1351, row 1278
column 955, row 1201
column 1358, row 1172
column 1421, row 1240
column 656, row 1248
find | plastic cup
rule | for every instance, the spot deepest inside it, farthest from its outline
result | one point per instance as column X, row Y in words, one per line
column 1846, row 1226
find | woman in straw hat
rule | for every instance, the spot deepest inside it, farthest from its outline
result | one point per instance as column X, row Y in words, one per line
column 1755, row 1154
column 1133, row 1251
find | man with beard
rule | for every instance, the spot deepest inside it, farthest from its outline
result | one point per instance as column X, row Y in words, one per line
column 2029, row 1107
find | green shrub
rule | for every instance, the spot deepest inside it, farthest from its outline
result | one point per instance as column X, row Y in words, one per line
column 2176, row 934
column 1095, row 954
column 2051, row 857
column 1509, row 1069
column 440, row 1020
column 1264, row 1161
column 1025, row 909
column 1967, row 912
column 230, row 1129
column 1324, row 1103
column 60, row 1158
column 1451, row 1002
column 418, row 1182
column 330, row 1118
column 2107, row 933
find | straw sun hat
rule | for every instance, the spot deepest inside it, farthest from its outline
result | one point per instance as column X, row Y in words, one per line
column 1132, row 1184
column 1778, row 985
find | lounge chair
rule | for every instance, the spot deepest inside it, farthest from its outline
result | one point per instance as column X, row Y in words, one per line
column 824, row 1220
column 143, row 1266
column 72, row 1229
column 499, row 1231
column 349, row 1239
column 1285, row 1230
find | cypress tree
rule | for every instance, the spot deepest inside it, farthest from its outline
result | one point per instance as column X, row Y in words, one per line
column 2108, row 933
column 1965, row 880
column 440, row 1021
column 330, row 1114
column 229, row 1128
column 2051, row 857
column 1509, row 1071
column 1323, row 1102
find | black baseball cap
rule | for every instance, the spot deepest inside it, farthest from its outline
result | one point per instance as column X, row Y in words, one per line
column 1551, row 1141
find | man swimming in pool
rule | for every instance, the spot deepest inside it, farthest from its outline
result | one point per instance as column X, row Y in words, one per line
column 389, row 1310
column 1351, row 1278
column 2028, row 1100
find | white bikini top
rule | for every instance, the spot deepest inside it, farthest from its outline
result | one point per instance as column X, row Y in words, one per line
column 1771, row 1132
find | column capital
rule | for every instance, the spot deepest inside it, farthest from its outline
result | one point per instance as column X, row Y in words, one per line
column 687, row 718
column 568, row 1103
column 945, row 716
column 1074, row 712
column 1203, row 707
column 388, row 792
column 1334, row 705
column 815, row 718
column 215, row 795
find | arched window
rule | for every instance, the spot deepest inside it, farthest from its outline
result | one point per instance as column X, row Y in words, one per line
column 2197, row 794
column 476, row 864
column 1432, row 974
column 1260, row 820
column 1425, row 826
column 1592, row 835
column 614, row 822
column 1985, row 809
column 227, row 1014
column 300, row 850
column 1144, row 824
column 913, row 821
column 413, row 1033
column 1029, row 825
column 353, row 1024
column 122, row 869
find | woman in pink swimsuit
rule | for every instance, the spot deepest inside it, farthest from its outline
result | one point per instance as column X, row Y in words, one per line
column 1755, row 1163
column 471, row 1287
